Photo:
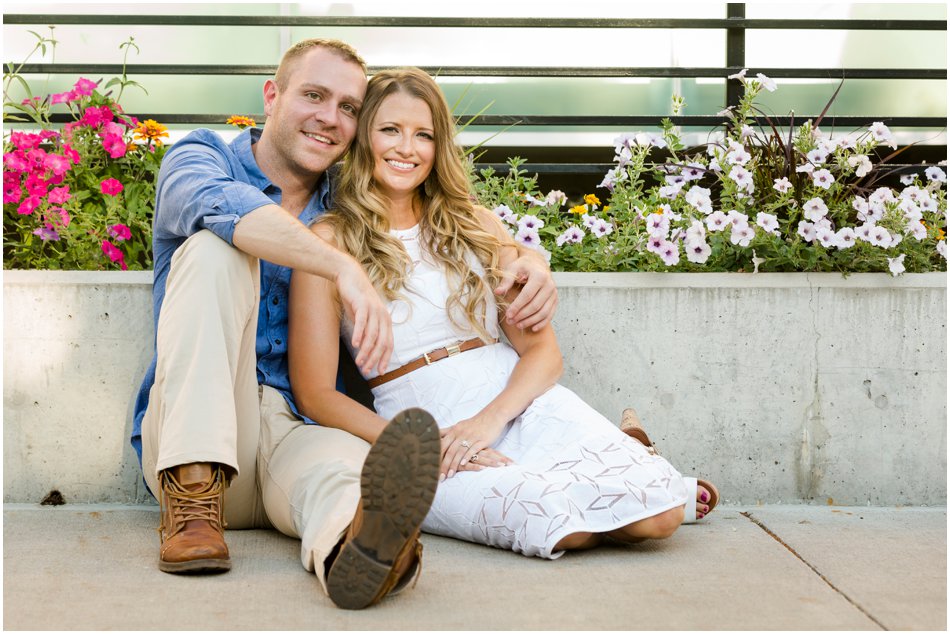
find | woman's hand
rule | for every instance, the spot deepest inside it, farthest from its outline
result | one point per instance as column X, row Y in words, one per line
column 468, row 438
column 486, row 458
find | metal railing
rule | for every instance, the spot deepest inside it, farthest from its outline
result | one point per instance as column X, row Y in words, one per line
column 735, row 24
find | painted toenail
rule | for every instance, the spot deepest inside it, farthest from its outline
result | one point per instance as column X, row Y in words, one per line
column 704, row 496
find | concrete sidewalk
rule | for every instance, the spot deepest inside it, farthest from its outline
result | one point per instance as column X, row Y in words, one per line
column 758, row 567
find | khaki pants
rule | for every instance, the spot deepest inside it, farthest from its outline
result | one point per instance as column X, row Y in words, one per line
column 206, row 406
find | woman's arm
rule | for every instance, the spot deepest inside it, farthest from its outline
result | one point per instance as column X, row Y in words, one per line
column 538, row 369
column 313, row 349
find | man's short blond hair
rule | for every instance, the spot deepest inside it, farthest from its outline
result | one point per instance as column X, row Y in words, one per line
column 339, row 47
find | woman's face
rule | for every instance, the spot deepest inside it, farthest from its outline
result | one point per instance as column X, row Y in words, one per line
column 402, row 140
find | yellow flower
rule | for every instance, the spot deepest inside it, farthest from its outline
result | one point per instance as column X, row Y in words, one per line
column 241, row 121
column 579, row 209
column 150, row 130
column 591, row 199
column 607, row 208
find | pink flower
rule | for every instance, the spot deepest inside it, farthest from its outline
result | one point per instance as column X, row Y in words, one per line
column 111, row 187
column 114, row 145
column 70, row 153
column 36, row 158
column 59, row 195
column 11, row 191
column 35, row 186
column 28, row 206
column 120, row 232
column 15, row 161
column 96, row 116
column 25, row 141
column 111, row 128
column 61, row 97
column 113, row 253
column 46, row 233
column 57, row 164
column 84, row 87
column 49, row 134
column 64, row 216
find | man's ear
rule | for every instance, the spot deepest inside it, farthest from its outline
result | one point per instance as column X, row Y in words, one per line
column 270, row 95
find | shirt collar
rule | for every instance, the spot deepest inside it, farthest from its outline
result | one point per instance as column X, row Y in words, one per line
column 322, row 197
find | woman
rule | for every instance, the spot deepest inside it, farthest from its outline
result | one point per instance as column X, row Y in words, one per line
column 526, row 465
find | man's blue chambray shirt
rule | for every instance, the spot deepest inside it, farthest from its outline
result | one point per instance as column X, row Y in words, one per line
column 205, row 183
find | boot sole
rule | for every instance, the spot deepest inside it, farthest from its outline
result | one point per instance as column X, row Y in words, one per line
column 397, row 485
column 195, row 566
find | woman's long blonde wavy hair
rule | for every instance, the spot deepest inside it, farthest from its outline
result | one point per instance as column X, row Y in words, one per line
column 449, row 228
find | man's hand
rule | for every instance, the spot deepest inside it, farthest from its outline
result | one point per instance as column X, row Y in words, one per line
column 537, row 298
column 372, row 325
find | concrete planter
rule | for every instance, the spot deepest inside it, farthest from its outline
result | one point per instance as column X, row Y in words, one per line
column 779, row 387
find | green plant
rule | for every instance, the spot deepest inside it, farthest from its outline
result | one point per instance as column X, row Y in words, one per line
column 80, row 197
column 753, row 201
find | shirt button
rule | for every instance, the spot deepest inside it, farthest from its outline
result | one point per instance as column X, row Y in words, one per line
column 275, row 301
column 277, row 341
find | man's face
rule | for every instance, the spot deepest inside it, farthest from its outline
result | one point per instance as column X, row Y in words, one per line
column 312, row 121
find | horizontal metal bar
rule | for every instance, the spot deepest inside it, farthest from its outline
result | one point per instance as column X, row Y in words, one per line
column 497, row 71
column 583, row 120
column 602, row 168
column 454, row 22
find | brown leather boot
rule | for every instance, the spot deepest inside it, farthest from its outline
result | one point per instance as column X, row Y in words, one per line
column 381, row 551
column 192, row 530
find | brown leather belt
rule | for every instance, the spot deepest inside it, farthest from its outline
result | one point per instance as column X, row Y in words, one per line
column 428, row 359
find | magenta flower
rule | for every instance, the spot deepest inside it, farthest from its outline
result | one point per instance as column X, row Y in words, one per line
column 57, row 164
column 114, row 145
column 120, row 232
column 72, row 154
column 84, row 87
column 64, row 216
column 15, row 161
column 36, row 158
column 59, row 195
column 11, row 192
column 25, row 141
column 46, row 233
column 111, row 187
column 113, row 253
column 28, row 206
column 61, row 97
column 96, row 116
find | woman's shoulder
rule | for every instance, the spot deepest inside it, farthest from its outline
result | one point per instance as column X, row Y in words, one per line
column 325, row 228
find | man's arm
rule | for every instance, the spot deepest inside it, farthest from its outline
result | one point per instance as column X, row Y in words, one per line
column 537, row 299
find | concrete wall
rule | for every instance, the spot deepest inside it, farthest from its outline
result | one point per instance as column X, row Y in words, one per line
column 779, row 387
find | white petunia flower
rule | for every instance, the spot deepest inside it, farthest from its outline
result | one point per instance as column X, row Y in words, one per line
column 823, row 178
column 881, row 132
column 846, row 143
column 624, row 141
column 714, row 166
column 740, row 75
column 815, row 209
column 817, row 157
column 879, row 237
column 742, row 178
column 896, row 265
column 658, row 225
column 670, row 253
column 694, row 171
column 806, row 230
column 766, row 82
column 736, row 217
column 696, row 231
column 861, row 206
column 528, row 237
column 908, row 179
column 782, row 185
column 650, row 139
column 861, row 163
column 844, row 238
column 557, row 197
column 882, row 195
column 807, row 168
column 927, row 204
column 936, row 174
column 942, row 248
column 746, row 132
column 601, row 228
column 916, row 229
column 623, row 156
column 528, row 198
column 676, row 179
column 655, row 244
column 717, row 221
column 670, row 191
column 741, row 234
column 528, row 221
column 826, row 237
column 699, row 198
column 738, row 156
column 863, row 232
column 912, row 192
column 910, row 209
column 697, row 251
column 588, row 220
column 573, row 235
column 768, row 222
column 505, row 213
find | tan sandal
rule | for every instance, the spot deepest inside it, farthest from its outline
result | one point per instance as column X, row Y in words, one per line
column 630, row 425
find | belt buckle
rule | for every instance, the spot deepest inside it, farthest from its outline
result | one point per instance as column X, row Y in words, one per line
column 453, row 349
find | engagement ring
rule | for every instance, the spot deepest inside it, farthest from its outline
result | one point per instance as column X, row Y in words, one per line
column 465, row 444
column 474, row 458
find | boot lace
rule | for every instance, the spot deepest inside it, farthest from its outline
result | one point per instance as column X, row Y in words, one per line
column 179, row 505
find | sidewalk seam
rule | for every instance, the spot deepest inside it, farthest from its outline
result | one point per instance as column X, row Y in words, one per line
column 771, row 534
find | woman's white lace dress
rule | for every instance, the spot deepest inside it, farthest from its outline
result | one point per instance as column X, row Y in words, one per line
column 574, row 470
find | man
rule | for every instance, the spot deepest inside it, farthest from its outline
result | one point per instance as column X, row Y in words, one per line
column 216, row 427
